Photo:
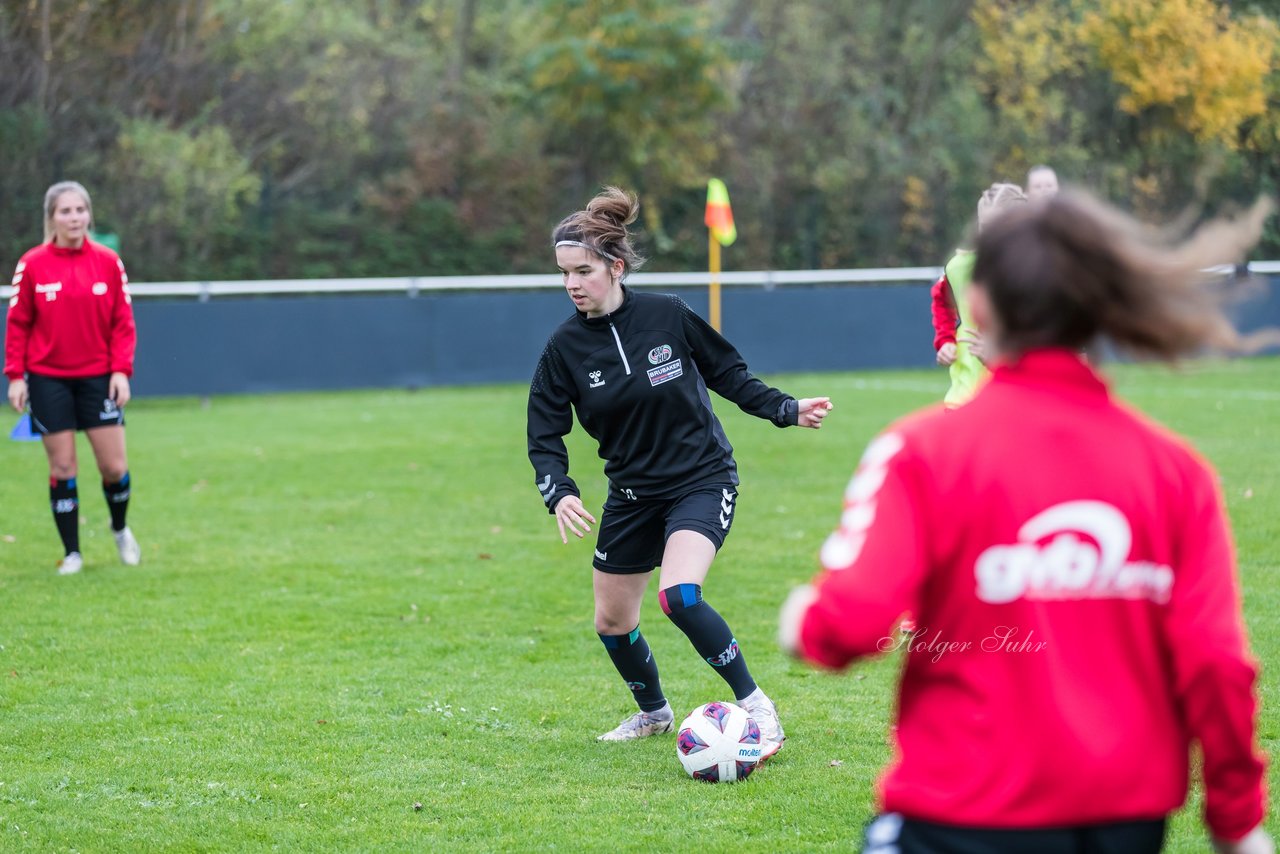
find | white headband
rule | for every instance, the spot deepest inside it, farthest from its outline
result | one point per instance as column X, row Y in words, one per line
column 599, row 252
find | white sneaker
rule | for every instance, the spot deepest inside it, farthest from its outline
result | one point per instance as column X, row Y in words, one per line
column 130, row 551
column 71, row 564
column 765, row 714
column 642, row 725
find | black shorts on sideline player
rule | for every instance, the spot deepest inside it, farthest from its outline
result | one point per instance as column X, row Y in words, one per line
column 893, row 833
column 61, row 403
column 634, row 532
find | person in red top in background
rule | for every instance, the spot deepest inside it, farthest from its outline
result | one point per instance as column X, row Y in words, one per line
column 69, row 344
column 1069, row 563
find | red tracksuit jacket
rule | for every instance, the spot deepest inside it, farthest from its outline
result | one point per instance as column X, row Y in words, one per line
column 1071, row 572
column 70, row 315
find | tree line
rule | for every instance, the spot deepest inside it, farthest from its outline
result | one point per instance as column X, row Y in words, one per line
column 230, row 139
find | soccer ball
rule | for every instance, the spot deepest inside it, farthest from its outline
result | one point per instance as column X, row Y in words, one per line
column 719, row 743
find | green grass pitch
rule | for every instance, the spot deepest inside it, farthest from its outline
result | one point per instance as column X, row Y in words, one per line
column 351, row 604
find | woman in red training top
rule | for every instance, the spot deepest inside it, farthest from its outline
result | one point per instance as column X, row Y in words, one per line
column 1069, row 563
column 69, row 348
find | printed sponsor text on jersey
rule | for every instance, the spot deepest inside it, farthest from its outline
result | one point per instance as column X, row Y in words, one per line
column 1075, row 550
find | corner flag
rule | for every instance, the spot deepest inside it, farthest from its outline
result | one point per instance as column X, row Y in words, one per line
column 719, row 216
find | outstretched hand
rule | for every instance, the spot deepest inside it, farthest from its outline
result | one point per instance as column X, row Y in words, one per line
column 792, row 616
column 812, row 410
column 571, row 514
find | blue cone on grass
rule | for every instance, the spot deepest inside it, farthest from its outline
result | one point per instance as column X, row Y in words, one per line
column 22, row 431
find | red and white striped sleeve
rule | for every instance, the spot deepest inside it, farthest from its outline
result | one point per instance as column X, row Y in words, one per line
column 874, row 563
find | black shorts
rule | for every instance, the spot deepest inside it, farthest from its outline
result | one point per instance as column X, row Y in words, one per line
column 60, row 403
column 634, row 532
column 893, row 833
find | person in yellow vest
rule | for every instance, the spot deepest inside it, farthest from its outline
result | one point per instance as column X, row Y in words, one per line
column 956, row 339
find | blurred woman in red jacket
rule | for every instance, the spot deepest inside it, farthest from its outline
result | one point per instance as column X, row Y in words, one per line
column 69, row 344
column 1068, row 561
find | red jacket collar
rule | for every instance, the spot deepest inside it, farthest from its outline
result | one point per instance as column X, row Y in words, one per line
column 67, row 250
column 1059, row 369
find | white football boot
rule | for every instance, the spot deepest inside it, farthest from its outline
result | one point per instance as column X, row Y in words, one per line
column 765, row 714
column 71, row 564
column 642, row 725
column 127, row 545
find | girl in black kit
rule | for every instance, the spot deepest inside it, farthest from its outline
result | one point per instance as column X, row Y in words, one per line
column 636, row 368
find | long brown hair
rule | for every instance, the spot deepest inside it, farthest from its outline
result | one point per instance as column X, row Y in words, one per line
column 602, row 226
column 1066, row 270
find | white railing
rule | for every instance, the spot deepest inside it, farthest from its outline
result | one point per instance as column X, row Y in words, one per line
column 413, row 285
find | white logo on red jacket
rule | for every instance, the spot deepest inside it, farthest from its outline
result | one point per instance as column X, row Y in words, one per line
column 843, row 547
column 50, row 290
column 1075, row 550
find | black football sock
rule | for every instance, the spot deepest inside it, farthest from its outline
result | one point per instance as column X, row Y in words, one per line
column 117, row 495
column 709, row 634
column 66, row 512
column 630, row 653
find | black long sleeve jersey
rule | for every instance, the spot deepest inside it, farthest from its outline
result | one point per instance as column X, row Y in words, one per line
column 638, row 379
